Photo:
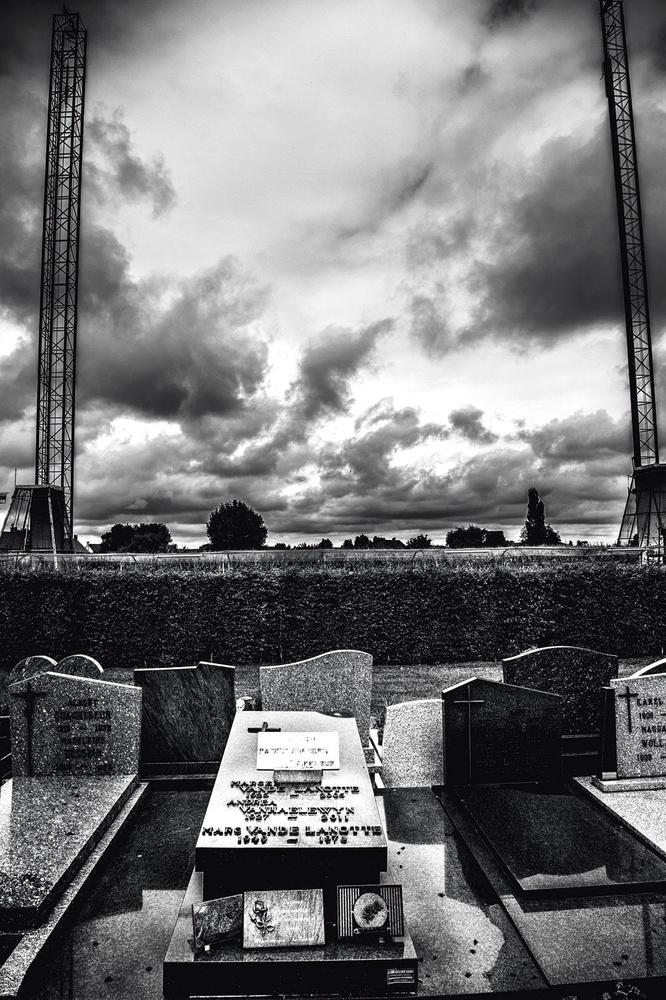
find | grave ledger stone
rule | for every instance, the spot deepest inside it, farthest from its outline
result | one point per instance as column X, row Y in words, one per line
column 498, row 733
column 336, row 682
column 640, row 734
column 62, row 724
column 187, row 712
column 288, row 846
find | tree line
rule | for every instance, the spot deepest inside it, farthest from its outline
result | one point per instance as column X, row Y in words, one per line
column 235, row 525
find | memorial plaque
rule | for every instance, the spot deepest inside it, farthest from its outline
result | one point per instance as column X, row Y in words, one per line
column 283, row 918
column 74, row 725
column 640, row 726
column 497, row 732
column 366, row 910
column 298, row 751
column 217, row 920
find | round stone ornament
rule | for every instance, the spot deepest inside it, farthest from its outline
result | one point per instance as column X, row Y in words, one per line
column 370, row 911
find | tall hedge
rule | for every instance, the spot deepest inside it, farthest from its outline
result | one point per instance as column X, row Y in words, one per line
column 150, row 614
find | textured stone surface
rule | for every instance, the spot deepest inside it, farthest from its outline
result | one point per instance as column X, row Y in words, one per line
column 79, row 665
column 283, row 918
column 656, row 667
column 336, row 682
column 48, row 826
column 640, row 725
column 187, row 711
column 643, row 811
column 497, row 732
column 217, row 919
column 74, row 725
column 413, row 751
column 575, row 673
column 31, row 666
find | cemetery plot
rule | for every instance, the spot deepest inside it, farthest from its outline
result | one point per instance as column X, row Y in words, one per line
column 551, row 841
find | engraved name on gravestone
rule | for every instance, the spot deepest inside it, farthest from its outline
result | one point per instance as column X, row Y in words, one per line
column 497, row 732
column 285, row 751
column 640, row 726
column 283, row 918
column 62, row 724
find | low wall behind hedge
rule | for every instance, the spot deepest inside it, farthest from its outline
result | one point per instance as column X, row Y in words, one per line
column 147, row 615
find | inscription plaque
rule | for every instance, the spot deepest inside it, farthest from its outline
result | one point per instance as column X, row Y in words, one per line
column 286, row 751
column 217, row 920
column 283, row 918
column 640, row 726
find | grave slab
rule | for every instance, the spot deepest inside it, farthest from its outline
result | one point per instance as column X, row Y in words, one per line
column 640, row 726
column 552, row 842
column 337, row 682
column 412, row 750
column 48, row 827
column 73, row 725
column 575, row 673
column 187, row 712
column 496, row 732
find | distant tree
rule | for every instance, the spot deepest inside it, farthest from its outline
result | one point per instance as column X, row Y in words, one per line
column 281, row 546
column 471, row 537
column 494, row 539
column 325, row 543
column 144, row 537
column 362, row 542
column 535, row 530
column 347, row 544
column 419, row 542
column 235, row 525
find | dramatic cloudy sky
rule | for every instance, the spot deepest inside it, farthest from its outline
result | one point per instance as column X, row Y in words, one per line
column 353, row 262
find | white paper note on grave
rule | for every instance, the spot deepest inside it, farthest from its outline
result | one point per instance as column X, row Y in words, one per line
column 298, row 751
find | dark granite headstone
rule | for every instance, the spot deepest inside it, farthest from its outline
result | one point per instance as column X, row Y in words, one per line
column 496, row 733
column 575, row 673
column 74, row 725
column 31, row 666
column 187, row 712
column 338, row 682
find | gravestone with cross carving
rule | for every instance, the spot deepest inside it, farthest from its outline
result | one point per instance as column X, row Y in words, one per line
column 640, row 726
column 496, row 733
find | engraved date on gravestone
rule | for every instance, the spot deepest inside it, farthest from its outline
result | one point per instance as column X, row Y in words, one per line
column 285, row 751
column 640, row 725
column 83, row 728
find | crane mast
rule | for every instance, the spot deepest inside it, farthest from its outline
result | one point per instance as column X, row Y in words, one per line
column 642, row 520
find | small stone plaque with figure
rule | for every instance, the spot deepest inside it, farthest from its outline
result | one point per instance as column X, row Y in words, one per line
column 217, row 920
column 369, row 910
column 283, row 918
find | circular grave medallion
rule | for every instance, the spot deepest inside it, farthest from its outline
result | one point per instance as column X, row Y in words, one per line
column 370, row 911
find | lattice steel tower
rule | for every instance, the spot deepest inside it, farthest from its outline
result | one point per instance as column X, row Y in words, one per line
column 645, row 510
column 60, row 263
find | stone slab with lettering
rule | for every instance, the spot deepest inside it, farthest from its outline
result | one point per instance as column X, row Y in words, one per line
column 640, row 726
column 298, row 751
column 413, row 744
column 74, row 725
column 497, row 733
column 575, row 673
column 338, row 682
column 283, row 918
column 187, row 711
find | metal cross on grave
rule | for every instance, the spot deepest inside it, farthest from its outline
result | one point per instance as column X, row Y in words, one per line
column 264, row 728
column 628, row 695
column 469, row 702
column 29, row 696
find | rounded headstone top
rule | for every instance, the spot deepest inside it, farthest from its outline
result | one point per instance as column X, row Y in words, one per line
column 79, row 665
column 29, row 667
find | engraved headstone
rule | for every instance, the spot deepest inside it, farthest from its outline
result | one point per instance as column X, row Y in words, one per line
column 187, row 711
column 74, row 725
column 575, row 673
column 640, row 726
column 338, row 682
column 413, row 744
column 495, row 733
column 283, row 918
column 79, row 665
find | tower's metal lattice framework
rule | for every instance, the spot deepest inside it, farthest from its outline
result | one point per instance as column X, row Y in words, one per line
column 645, row 512
column 60, row 263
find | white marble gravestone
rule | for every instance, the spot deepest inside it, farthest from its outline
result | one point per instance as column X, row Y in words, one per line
column 640, row 726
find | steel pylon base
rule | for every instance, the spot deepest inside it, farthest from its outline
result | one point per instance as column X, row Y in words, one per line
column 36, row 521
column 644, row 519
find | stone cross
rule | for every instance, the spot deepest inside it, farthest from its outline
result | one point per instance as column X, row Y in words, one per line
column 264, row 728
column 628, row 695
column 29, row 696
column 468, row 703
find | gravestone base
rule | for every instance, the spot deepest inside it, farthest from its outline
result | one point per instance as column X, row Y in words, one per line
column 48, row 828
column 628, row 784
column 337, row 967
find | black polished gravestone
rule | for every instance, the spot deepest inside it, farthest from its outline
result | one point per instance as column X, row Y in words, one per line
column 498, row 733
column 274, row 839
